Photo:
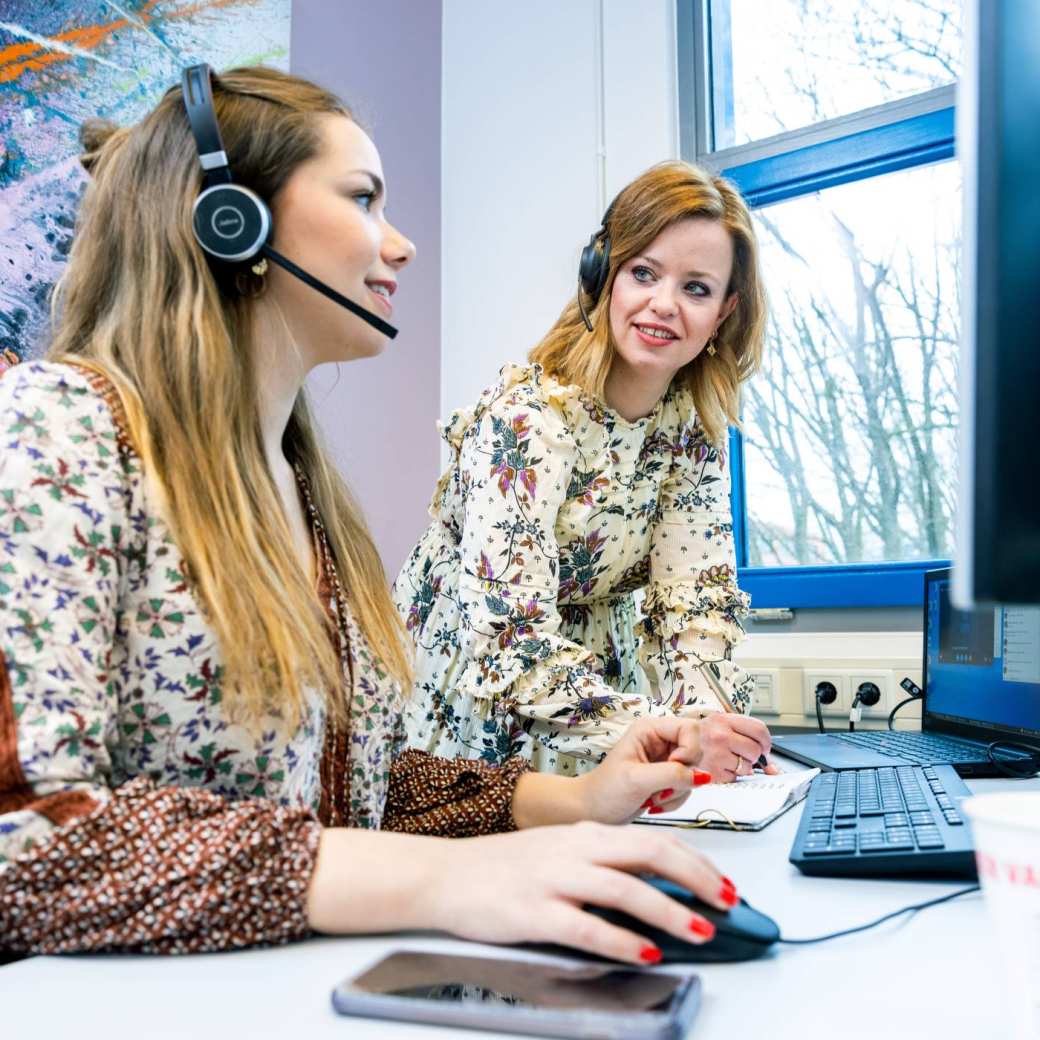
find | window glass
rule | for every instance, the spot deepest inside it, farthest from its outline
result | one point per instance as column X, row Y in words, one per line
column 786, row 64
column 850, row 427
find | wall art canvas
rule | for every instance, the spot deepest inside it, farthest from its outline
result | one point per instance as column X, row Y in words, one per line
column 63, row 61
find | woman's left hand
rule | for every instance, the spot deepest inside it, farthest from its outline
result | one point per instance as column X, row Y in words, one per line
column 645, row 770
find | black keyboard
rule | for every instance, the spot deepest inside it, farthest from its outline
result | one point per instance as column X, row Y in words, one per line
column 924, row 749
column 891, row 820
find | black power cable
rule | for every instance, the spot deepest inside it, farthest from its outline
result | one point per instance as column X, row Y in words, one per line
column 826, row 693
column 892, row 713
column 867, row 693
column 1022, row 764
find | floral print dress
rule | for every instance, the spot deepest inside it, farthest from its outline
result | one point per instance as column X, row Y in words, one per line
column 578, row 574
column 134, row 814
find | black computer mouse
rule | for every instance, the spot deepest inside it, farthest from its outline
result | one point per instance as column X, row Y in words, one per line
column 741, row 933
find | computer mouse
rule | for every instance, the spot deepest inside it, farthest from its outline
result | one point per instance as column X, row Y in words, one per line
column 741, row 933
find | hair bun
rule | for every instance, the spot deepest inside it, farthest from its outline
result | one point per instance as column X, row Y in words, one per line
column 94, row 136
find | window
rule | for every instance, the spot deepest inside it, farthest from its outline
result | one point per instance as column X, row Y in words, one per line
column 835, row 118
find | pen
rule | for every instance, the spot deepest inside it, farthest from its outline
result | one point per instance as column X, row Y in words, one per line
column 724, row 700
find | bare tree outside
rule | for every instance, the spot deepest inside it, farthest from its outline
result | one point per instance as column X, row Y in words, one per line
column 850, row 428
column 797, row 62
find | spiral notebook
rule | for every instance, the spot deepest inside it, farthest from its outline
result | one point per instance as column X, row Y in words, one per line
column 747, row 804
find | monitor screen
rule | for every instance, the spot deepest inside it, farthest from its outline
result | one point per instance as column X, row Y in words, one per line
column 998, row 114
column 982, row 666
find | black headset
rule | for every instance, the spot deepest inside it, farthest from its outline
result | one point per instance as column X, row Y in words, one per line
column 594, row 266
column 230, row 222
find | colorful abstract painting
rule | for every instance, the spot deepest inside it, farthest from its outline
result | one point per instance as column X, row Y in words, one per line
column 63, row 61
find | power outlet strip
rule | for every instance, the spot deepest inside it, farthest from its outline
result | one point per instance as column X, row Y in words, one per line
column 847, row 681
column 786, row 668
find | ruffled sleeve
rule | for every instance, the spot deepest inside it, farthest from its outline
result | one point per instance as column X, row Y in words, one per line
column 516, row 457
column 693, row 608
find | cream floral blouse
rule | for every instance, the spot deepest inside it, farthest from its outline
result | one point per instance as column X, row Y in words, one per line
column 578, row 574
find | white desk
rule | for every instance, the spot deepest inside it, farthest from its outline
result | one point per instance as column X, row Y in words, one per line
column 934, row 975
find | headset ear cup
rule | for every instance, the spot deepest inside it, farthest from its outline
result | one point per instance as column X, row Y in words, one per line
column 231, row 222
column 594, row 265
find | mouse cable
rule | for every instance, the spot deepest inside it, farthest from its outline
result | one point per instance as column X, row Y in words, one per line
column 881, row 920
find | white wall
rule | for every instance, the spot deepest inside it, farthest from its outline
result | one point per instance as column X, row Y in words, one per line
column 548, row 108
column 380, row 414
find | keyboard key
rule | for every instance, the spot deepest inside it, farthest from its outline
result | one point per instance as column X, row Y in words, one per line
column 898, row 845
column 931, row 841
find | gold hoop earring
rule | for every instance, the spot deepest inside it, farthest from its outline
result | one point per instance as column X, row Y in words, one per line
column 252, row 283
column 711, row 348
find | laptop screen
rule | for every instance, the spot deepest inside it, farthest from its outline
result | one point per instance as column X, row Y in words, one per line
column 982, row 666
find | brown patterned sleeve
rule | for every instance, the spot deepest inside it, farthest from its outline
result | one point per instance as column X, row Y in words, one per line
column 451, row 797
column 163, row 870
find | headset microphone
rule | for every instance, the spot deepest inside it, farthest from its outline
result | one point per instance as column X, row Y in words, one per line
column 230, row 222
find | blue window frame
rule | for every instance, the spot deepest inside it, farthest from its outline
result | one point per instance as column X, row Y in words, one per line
column 897, row 135
column 919, row 139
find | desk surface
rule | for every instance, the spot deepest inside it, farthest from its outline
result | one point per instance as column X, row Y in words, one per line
column 932, row 975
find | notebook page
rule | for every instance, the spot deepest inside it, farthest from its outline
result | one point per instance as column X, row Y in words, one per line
column 748, row 800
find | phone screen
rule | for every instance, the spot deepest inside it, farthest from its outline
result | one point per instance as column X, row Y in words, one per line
column 457, row 980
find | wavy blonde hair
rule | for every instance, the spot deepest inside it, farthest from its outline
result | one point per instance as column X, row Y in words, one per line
column 667, row 193
column 140, row 304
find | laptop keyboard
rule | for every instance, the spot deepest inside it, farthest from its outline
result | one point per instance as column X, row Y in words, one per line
column 924, row 749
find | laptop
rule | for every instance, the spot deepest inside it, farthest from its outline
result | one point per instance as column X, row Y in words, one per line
column 981, row 684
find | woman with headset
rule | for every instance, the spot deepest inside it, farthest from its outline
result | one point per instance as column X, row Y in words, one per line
column 595, row 474
column 201, row 669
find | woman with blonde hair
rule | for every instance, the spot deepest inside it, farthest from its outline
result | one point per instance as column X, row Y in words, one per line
column 200, row 664
column 597, row 472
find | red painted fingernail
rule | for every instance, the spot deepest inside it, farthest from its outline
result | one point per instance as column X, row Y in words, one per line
column 701, row 777
column 665, row 794
column 699, row 926
column 647, row 803
column 655, row 809
column 728, row 893
column 650, row 955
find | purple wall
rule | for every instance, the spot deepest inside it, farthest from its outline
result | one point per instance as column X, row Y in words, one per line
column 384, row 60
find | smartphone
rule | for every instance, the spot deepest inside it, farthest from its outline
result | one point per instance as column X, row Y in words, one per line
column 594, row 1001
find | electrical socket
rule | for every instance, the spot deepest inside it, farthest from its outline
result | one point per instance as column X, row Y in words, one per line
column 812, row 676
column 884, row 681
column 766, row 692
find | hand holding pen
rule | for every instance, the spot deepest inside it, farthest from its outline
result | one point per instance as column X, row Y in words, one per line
column 732, row 744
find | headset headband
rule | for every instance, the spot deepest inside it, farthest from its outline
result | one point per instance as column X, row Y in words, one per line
column 197, row 87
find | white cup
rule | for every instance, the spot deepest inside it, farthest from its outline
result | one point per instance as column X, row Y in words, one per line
column 1006, row 826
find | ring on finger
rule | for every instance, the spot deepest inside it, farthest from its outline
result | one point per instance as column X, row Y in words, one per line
column 740, row 762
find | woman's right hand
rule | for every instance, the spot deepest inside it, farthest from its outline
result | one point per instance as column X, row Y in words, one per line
column 729, row 745
column 530, row 886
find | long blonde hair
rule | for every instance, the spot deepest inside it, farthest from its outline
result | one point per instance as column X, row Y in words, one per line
column 664, row 194
column 140, row 304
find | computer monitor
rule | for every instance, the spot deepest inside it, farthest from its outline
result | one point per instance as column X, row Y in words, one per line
column 998, row 526
column 981, row 668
